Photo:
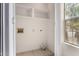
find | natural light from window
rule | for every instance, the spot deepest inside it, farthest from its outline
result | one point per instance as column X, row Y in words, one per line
column 72, row 23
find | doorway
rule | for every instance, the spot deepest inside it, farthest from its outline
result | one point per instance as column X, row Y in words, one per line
column 34, row 27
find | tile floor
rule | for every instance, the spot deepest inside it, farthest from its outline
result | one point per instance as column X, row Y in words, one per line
column 38, row 52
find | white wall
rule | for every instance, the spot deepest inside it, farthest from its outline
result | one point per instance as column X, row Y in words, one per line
column 51, row 32
column 32, row 37
column 70, row 50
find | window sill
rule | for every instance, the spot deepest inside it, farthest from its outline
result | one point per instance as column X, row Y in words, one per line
column 75, row 46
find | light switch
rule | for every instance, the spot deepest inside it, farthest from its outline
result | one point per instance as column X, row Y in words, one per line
column 20, row 30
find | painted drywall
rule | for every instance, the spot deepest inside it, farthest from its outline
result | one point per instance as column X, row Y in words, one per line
column 32, row 38
column 70, row 50
column 51, row 32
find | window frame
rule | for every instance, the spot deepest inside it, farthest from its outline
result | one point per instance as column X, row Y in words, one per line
column 65, row 42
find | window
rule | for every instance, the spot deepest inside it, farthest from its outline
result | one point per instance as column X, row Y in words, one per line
column 72, row 23
column 35, row 10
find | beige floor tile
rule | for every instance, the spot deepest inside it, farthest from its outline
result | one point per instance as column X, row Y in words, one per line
column 38, row 52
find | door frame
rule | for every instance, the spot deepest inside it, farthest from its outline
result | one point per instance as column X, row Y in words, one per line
column 12, row 30
column 2, row 52
column 58, row 29
column 3, row 29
